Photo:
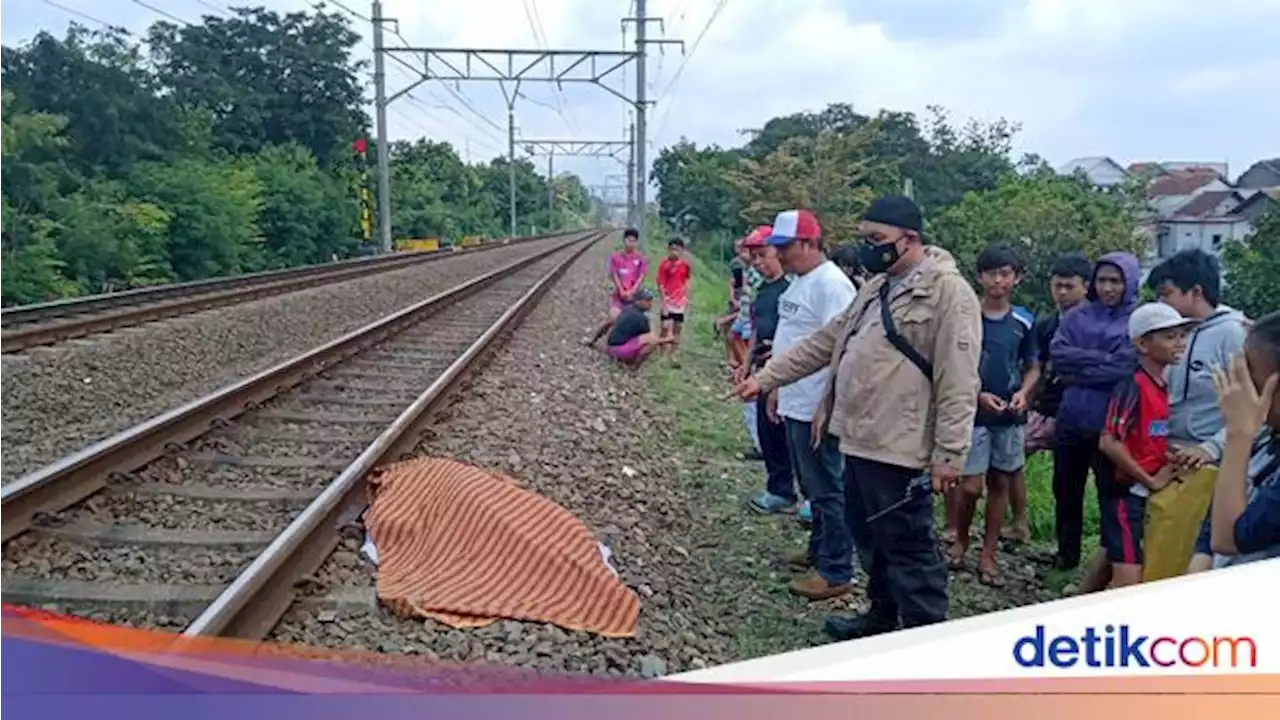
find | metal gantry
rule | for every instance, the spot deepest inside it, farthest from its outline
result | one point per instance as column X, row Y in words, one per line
column 579, row 148
column 518, row 66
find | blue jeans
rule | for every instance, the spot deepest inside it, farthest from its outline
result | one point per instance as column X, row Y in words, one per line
column 821, row 473
column 751, row 421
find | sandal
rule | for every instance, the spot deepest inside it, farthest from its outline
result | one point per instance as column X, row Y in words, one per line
column 1014, row 536
column 991, row 577
column 954, row 563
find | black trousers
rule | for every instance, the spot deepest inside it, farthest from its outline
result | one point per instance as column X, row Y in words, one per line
column 1075, row 452
column 899, row 550
column 777, row 456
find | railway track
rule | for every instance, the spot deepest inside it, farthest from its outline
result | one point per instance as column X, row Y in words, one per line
column 205, row 519
column 28, row 326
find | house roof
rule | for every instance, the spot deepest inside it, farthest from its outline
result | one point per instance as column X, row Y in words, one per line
column 1272, row 196
column 1175, row 165
column 1139, row 168
column 1181, row 182
column 1089, row 165
column 1272, row 164
column 1204, row 204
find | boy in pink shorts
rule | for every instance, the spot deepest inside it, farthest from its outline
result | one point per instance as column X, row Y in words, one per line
column 627, row 271
column 630, row 340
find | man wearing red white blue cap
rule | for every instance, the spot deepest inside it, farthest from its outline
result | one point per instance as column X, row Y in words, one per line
column 819, row 293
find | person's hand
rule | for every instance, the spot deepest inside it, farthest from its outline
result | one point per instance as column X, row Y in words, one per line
column 1189, row 458
column 945, row 477
column 1244, row 409
column 1018, row 402
column 1162, row 478
column 992, row 402
column 747, row 389
column 771, row 409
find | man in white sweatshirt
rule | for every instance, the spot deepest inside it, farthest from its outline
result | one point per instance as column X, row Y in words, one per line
column 818, row 293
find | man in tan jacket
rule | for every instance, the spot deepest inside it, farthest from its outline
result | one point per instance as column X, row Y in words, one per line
column 901, row 399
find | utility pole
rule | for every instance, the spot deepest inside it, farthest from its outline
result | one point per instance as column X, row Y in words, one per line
column 641, row 102
column 380, row 104
column 631, row 176
column 511, row 148
column 642, row 128
column 551, row 186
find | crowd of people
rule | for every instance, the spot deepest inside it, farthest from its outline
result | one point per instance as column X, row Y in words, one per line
column 876, row 377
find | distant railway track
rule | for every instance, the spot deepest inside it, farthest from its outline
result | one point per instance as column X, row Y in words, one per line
column 28, row 326
column 204, row 519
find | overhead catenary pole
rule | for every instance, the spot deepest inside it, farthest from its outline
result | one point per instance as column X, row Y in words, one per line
column 511, row 159
column 551, row 188
column 631, row 176
column 380, row 105
column 641, row 128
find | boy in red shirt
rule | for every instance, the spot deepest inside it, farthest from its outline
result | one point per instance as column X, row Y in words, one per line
column 673, row 283
column 1134, row 445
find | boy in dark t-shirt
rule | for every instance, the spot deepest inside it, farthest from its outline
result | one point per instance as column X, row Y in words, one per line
column 1134, row 446
column 630, row 339
column 780, row 487
column 1069, row 286
column 1009, row 369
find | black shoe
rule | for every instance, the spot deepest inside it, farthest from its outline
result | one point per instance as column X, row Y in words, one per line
column 1065, row 564
column 852, row 627
column 752, row 455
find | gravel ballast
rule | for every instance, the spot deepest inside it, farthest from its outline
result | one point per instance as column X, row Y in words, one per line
column 562, row 420
column 59, row 399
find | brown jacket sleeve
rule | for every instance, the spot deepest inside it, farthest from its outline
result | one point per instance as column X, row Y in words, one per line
column 957, row 349
column 801, row 361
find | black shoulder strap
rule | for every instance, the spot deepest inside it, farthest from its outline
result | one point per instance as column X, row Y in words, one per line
column 896, row 340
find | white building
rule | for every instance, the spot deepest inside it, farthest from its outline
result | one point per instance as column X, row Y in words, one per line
column 1102, row 171
column 1206, row 222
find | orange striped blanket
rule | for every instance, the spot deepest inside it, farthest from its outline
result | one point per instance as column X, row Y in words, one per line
column 467, row 547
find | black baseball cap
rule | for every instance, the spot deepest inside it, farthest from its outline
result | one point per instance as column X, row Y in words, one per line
column 899, row 211
column 642, row 294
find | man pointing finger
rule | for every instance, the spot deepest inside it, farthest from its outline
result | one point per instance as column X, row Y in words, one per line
column 901, row 399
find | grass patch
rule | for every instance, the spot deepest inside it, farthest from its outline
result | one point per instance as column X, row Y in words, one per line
column 709, row 436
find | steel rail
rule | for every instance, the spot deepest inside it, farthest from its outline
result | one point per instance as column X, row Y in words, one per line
column 256, row 600
column 74, row 477
column 29, row 326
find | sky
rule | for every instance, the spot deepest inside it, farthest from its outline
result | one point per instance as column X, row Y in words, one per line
column 1135, row 80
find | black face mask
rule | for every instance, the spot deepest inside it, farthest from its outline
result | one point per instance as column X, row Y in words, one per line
column 878, row 258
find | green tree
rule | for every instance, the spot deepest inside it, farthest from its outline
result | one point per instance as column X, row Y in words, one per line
column 1041, row 215
column 809, row 159
column 269, row 79
column 695, row 191
column 1251, row 268
column 213, row 208
column 30, row 144
column 305, row 217
column 111, row 241
column 97, row 81
column 828, row 173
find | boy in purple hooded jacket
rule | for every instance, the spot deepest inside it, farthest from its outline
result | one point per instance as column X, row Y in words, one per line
column 1091, row 352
